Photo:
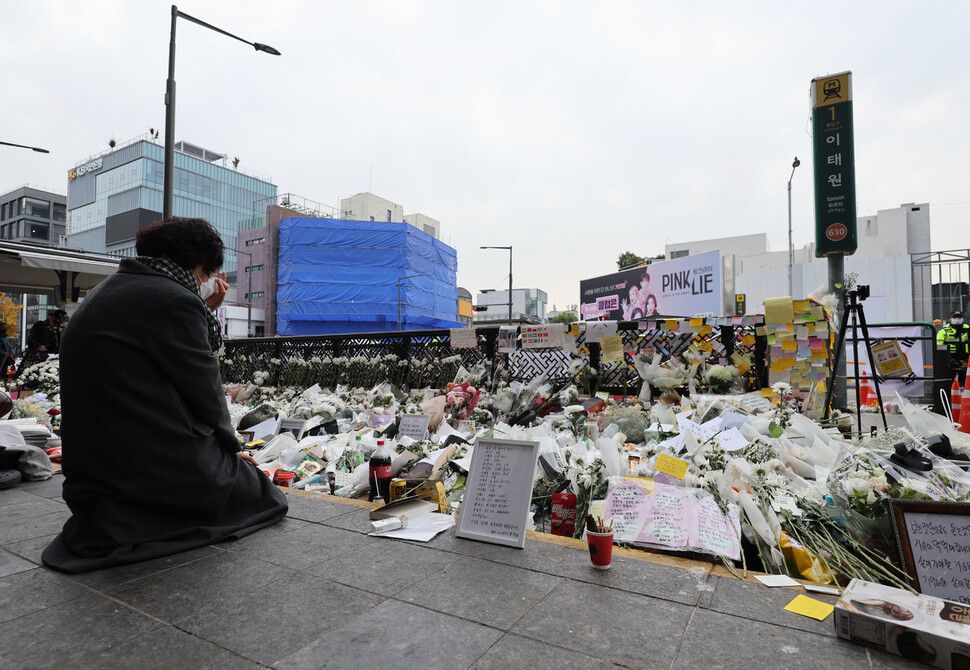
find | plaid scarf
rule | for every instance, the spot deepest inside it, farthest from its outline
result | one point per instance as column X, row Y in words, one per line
column 184, row 277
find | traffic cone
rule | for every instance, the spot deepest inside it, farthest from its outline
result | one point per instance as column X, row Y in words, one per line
column 956, row 400
column 863, row 391
column 965, row 408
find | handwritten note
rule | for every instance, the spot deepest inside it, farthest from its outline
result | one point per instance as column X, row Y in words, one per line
column 671, row 466
column 414, row 425
column 464, row 338
column 715, row 532
column 628, row 510
column 498, row 491
column 941, row 553
column 612, row 347
column 668, row 524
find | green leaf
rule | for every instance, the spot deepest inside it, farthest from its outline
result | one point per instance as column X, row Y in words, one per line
column 837, row 285
column 775, row 430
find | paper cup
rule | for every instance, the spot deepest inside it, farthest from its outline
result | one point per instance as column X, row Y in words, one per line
column 600, row 549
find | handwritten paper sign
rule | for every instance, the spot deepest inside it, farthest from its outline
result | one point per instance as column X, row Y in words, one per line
column 498, row 492
column 414, row 426
column 890, row 359
column 934, row 541
column 464, row 338
column 612, row 348
column 672, row 517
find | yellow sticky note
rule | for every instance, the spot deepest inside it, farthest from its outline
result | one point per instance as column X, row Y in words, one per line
column 768, row 393
column 779, row 310
column 597, row 508
column 706, row 330
column 776, row 367
column 819, row 353
column 747, row 340
column 742, row 368
column 810, row 607
column 671, row 466
column 671, row 324
column 697, row 322
column 760, row 330
column 255, row 443
column 706, row 346
column 789, row 345
column 800, row 305
column 574, row 330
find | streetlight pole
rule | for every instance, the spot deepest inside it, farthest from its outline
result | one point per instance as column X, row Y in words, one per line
column 168, row 188
column 510, row 278
column 791, row 247
column 399, row 280
column 24, row 146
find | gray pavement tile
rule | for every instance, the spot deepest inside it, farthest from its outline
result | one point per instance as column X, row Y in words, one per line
column 278, row 618
column 681, row 585
column 30, row 591
column 299, row 549
column 716, row 641
column 49, row 488
column 513, row 651
column 15, row 495
column 69, row 634
column 618, row 627
column 105, row 579
column 315, row 510
column 754, row 600
column 29, row 527
column 31, row 549
column 11, row 564
column 490, row 593
column 385, row 566
column 177, row 594
column 396, row 635
column 356, row 520
column 168, row 648
column 34, row 507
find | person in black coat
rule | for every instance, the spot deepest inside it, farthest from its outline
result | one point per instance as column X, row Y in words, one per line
column 151, row 462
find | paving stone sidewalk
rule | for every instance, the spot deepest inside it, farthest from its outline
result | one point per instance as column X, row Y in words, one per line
column 315, row 591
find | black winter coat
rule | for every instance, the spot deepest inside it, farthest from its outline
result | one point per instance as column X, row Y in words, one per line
column 149, row 454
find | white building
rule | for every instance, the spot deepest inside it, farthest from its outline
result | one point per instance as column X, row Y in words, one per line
column 370, row 207
column 900, row 291
column 528, row 306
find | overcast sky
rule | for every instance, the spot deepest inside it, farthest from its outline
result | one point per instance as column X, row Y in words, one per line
column 570, row 130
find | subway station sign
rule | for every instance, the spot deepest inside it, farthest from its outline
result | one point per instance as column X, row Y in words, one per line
column 834, row 153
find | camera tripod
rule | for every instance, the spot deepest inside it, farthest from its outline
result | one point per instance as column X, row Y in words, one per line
column 854, row 309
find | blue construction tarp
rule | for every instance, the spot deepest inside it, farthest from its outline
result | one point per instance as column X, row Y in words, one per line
column 338, row 276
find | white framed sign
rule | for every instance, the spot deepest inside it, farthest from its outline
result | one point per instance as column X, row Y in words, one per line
column 498, row 492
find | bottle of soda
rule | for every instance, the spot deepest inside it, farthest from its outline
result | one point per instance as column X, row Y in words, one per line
column 379, row 473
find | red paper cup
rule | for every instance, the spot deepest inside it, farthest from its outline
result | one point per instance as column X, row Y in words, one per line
column 600, row 549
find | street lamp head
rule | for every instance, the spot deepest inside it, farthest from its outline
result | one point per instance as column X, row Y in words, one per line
column 266, row 48
column 796, row 163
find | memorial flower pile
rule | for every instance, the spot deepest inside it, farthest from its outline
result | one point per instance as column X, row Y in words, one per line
column 43, row 377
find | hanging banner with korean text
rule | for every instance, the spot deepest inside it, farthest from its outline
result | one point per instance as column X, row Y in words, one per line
column 833, row 148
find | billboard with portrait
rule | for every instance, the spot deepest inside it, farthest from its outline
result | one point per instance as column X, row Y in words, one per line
column 688, row 286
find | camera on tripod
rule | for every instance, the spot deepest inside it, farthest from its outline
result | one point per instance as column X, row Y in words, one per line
column 860, row 292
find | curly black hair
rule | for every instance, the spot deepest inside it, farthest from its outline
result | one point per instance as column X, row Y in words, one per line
column 187, row 242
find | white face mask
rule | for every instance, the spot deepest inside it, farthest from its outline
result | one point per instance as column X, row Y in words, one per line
column 956, row 322
column 207, row 287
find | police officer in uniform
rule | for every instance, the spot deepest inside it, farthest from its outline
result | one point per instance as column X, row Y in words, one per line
column 955, row 338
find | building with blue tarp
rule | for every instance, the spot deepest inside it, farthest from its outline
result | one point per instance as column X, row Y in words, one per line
column 338, row 276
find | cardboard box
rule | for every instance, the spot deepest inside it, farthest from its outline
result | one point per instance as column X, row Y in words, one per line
column 918, row 627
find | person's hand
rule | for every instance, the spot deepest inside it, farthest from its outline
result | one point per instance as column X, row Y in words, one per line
column 246, row 457
column 214, row 301
column 42, row 348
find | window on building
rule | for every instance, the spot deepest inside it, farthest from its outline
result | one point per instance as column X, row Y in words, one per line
column 253, row 268
column 3, row 211
column 388, row 216
column 37, row 230
column 679, row 254
column 258, row 240
column 255, row 294
column 372, row 218
column 38, row 208
column 59, row 212
column 429, row 229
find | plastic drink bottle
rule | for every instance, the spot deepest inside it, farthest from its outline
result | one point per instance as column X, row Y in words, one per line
column 379, row 473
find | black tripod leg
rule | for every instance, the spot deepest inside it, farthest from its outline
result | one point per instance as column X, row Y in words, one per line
column 872, row 362
column 855, row 367
column 839, row 348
